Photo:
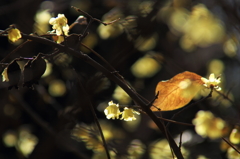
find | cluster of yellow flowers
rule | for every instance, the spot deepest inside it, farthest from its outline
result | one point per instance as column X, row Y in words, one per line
column 197, row 28
column 207, row 125
column 212, row 82
column 210, row 29
column 60, row 26
column 112, row 111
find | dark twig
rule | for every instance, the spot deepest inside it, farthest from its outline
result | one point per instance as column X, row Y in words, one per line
column 225, row 96
column 155, row 97
column 230, row 144
column 100, row 130
column 99, row 56
column 112, row 69
column 112, row 77
column 64, row 37
column 191, row 105
column 175, row 122
column 36, row 118
column 230, row 90
column 14, row 51
column 94, row 19
column 90, row 22
column 95, row 116
column 180, row 142
column 88, row 25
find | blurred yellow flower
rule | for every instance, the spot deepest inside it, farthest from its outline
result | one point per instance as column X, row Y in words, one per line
column 230, row 47
column 232, row 154
column 136, row 149
column 10, row 138
column 26, row 142
column 160, row 149
column 57, row 88
column 212, row 82
column 145, row 67
column 235, row 136
column 207, row 125
column 60, row 24
column 14, row 35
column 120, row 95
column 128, row 114
column 41, row 25
column 202, row 27
column 112, row 111
column 102, row 154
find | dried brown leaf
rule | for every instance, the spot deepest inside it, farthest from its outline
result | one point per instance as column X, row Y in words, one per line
column 177, row 92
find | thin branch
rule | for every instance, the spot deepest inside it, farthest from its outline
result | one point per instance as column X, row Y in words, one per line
column 32, row 114
column 225, row 96
column 114, row 78
column 88, row 25
column 180, row 142
column 14, row 51
column 112, row 69
column 90, row 22
column 44, row 124
column 230, row 144
column 81, row 11
column 155, row 97
column 175, row 122
column 94, row 116
column 191, row 105
column 100, row 130
column 94, row 19
column 64, row 37
column 99, row 56
column 109, row 23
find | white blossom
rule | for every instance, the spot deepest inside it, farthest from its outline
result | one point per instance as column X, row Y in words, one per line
column 112, row 111
column 212, row 82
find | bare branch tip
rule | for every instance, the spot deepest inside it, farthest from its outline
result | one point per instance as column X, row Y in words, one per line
column 109, row 23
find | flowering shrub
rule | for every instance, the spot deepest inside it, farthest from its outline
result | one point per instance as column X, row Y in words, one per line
column 112, row 111
column 62, row 69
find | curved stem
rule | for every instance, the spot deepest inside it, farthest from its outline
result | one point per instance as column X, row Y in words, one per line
column 118, row 81
column 95, row 118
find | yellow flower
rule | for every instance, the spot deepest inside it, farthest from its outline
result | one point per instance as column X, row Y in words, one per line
column 14, row 35
column 232, row 154
column 207, row 125
column 212, row 82
column 112, row 111
column 60, row 24
column 128, row 114
column 235, row 136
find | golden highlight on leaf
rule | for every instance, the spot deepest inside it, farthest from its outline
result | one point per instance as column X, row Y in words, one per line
column 177, row 92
